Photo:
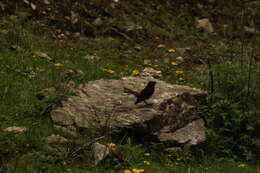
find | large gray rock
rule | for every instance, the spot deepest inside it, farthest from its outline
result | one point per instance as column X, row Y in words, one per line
column 173, row 115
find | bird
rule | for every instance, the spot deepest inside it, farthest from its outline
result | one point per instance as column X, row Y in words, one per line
column 145, row 94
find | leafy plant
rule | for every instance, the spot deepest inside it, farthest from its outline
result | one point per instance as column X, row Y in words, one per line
column 231, row 108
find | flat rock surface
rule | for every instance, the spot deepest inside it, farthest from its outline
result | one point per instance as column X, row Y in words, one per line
column 103, row 104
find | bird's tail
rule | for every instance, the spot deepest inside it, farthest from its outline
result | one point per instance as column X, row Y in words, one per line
column 129, row 91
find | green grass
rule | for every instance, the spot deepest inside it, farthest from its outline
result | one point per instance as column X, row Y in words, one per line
column 23, row 74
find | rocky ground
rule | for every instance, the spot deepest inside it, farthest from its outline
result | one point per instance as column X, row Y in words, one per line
column 59, row 59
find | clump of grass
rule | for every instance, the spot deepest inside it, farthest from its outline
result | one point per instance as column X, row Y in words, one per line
column 233, row 113
column 18, row 38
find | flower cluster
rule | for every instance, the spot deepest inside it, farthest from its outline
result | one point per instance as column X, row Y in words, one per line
column 147, row 154
column 109, row 71
column 134, row 170
column 111, row 144
column 146, row 162
column 179, row 72
column 174, row 63
column 58, row 65
column 135, row 72
column 242, row 165
column 171, row 50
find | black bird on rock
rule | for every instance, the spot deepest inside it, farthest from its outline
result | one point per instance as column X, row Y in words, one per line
column 145, row 94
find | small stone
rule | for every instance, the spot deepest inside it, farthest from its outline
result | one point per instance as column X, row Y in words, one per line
column 130, row 28
column 55, row 139
column 71, row 85
column 172, row 149
column 67, row 33
column 200, row 6
column 147, row 62
column 82, row 38
column 161, row 46
column 45, row 92
column 43, row 55
column 26, row 2
column 61, row 36
column 138, row 48
column 205, row 25
column 180, row 59
column 74, row 18
column 112, row 5
column 76, row 34
column 33, row 6
column 166, row 60
column 193, row 133
column 212, row 1
column 16, row 129
column 99, row 151
column 91, row 57
column 71, row 73
column 97, row 22
column 46, row 2
column 250, row 30
column 15, row 47
column 61, row 117
column 68, row 129
column 151, row 72
column 182, row 51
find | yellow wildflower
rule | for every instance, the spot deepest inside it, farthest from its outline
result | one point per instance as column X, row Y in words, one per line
column 134, row 170
column 242, row 165
column 141, row 170
column 147, row 154
column 127, row 171
column 135, row 72
column 58, row 65
column 147, row 162
column 111, row 145
column 171, row 50
column 61, row 41
column 109, row 71
column 179, row 72
column 174, row 63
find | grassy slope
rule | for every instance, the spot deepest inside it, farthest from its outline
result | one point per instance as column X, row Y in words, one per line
column 23, row 74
